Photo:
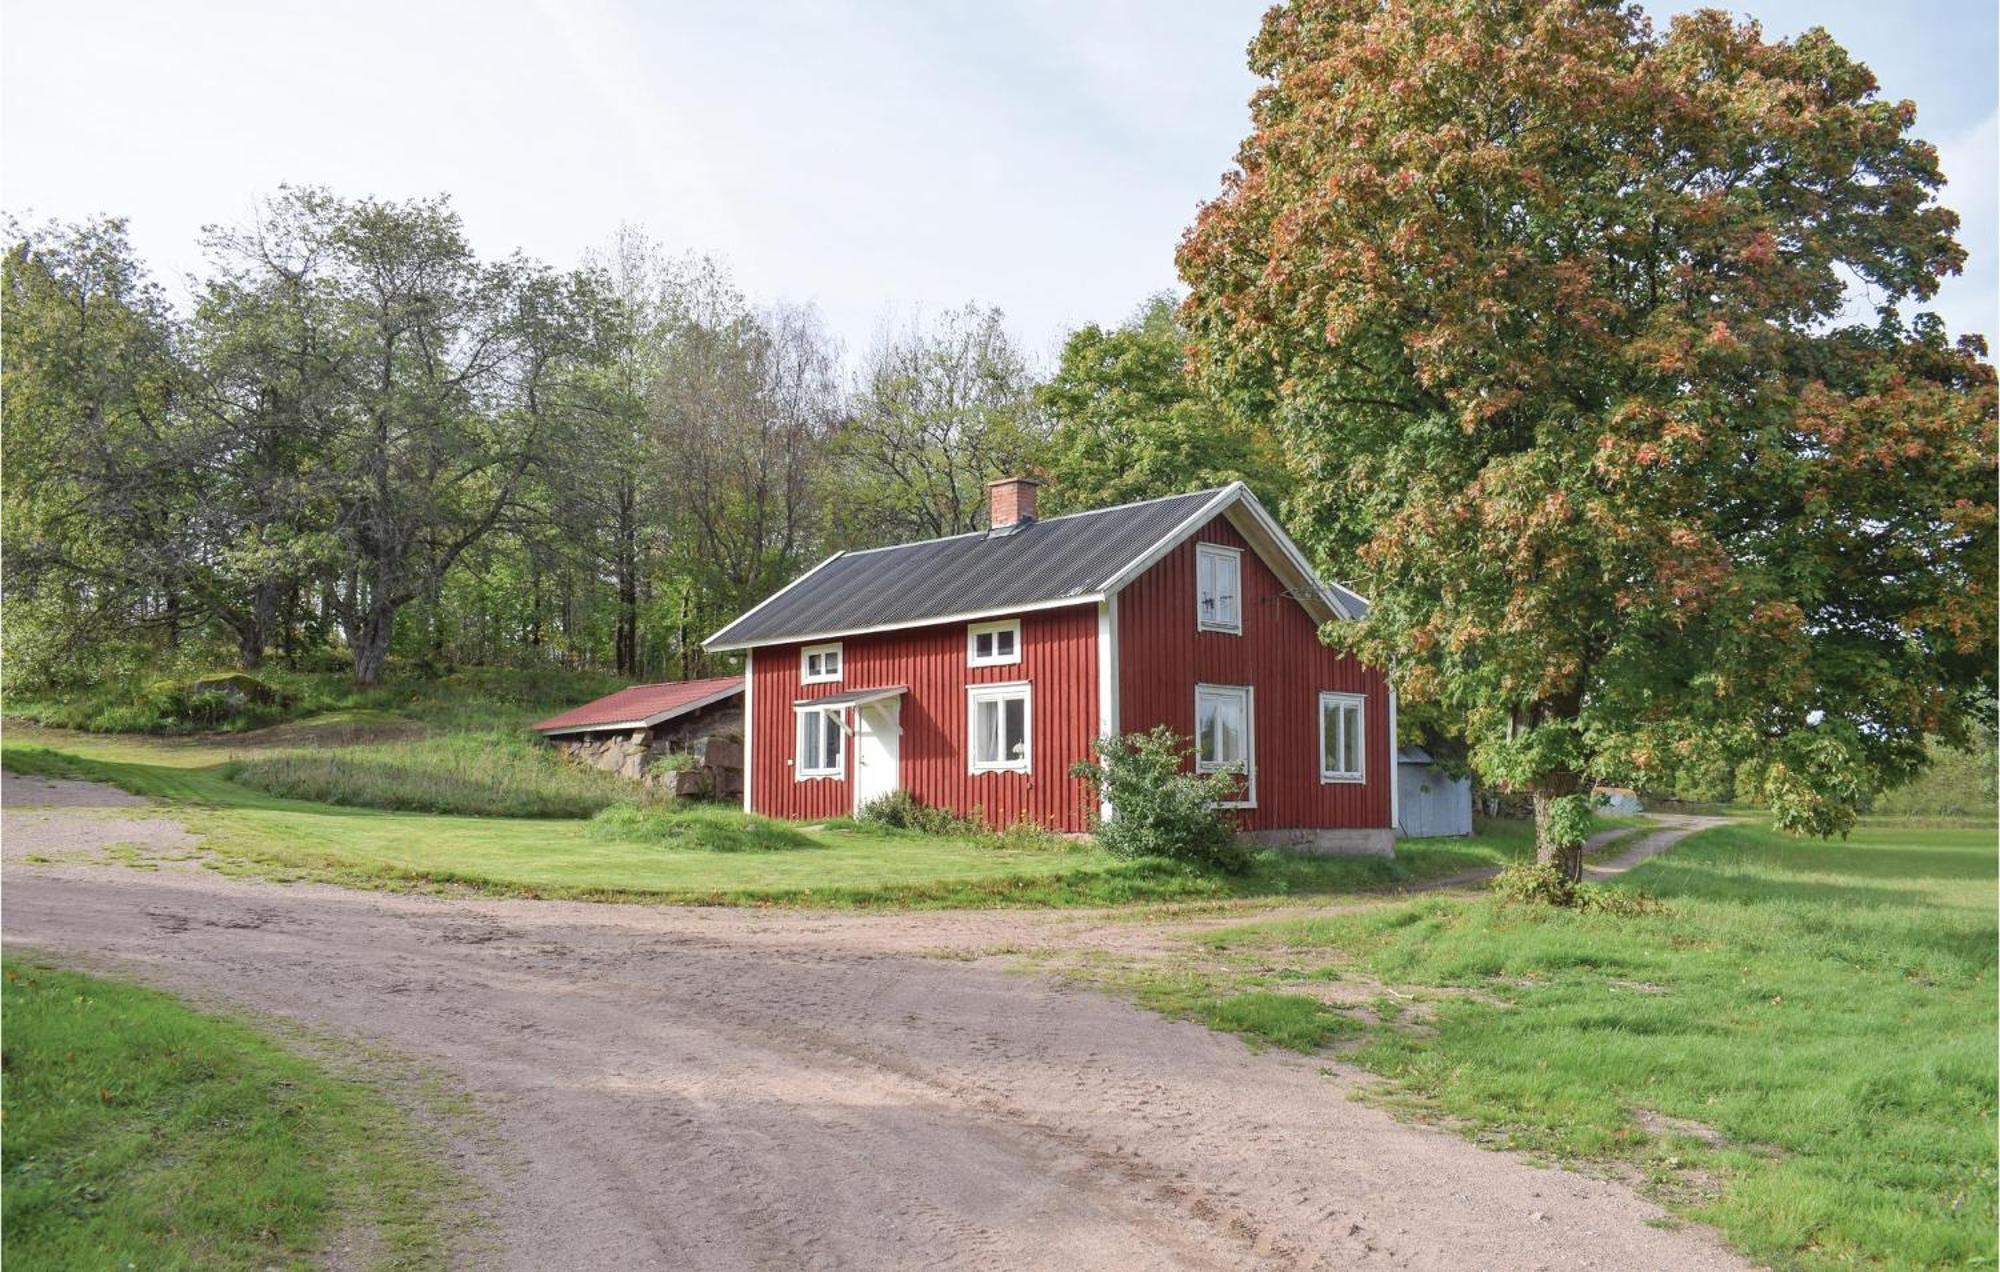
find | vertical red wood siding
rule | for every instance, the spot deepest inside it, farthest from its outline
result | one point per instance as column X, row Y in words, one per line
column 1162, row 656
column 1058, row 657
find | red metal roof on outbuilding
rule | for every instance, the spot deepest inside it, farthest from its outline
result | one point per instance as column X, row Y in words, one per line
column 642, row 703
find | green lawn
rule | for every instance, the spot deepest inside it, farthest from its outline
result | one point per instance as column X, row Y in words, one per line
column 574, row 857
column 1799, row 1050
column 141, row 1134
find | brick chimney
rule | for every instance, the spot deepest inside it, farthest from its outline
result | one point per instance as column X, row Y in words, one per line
column 1010, row 504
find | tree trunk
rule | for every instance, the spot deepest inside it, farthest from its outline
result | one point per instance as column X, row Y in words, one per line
column 1566, row 857
column 628, row 582
column 254, row 633
column 370, row 642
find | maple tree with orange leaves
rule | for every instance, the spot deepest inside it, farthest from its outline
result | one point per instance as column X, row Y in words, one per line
column 1552, row 309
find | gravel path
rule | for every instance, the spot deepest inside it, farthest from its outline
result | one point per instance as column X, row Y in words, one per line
column 722, row 1088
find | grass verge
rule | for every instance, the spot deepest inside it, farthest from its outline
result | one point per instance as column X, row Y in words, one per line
column 686, row 855
column 469, row 774
column 1799, row 1049
column 141, row 1133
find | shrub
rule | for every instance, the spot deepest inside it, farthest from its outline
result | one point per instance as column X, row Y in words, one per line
column 1539, row 883
column 900, row 810
column 675, row 762
column 1158, row 808
column 697, row 829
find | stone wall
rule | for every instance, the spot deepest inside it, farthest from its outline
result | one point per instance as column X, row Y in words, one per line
column 713, row 735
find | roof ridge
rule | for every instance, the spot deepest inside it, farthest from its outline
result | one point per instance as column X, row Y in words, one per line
column 1042, row 521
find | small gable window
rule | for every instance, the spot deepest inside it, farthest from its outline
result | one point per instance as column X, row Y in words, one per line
column 999, row 717
column 819, row 664
column 1218, row 573
column 1340, row 737
column 820, row 739
column 993, row 644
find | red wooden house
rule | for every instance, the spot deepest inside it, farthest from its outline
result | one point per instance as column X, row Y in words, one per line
column 973, row 671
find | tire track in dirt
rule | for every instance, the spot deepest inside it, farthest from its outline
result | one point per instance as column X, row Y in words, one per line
column 746, row 1089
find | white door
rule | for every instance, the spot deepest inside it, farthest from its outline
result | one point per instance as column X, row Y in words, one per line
column 878, row 735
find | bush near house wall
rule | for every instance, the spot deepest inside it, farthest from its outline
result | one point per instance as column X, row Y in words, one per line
column 1159, row 808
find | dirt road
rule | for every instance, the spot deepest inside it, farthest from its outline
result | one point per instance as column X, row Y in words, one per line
column 689, row 1088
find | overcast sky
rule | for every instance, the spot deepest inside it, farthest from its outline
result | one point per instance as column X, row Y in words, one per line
column 871, row 158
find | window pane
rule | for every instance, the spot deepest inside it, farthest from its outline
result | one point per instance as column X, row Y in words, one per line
column 982, row 645
column 1329, row 734
column 1350, row 754
column 1003, row 643
column 1229, row 731
column 831, row 721
column 1204, row 731
column 808, row 741
column 986, row 731
column 833, row 662
column 1017, row 727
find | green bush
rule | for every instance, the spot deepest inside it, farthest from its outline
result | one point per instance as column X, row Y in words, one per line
column 1158, row 808
column 697, row 829
column 900, row 810
column 1543, row 883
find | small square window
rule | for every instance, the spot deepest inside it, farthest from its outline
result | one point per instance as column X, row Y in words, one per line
column 993, row 644
column 819, row 664
column 1218, row 588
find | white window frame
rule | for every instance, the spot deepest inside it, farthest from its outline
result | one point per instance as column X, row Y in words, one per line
column 1359, row 769
column 1219, row 554
column 973, row 631
column 1247, row 694
column 806, row 652
column 1001, row 693
column 818, row 715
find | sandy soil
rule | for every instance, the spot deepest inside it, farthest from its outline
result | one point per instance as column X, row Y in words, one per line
column 18, row 790
column 719, row 1088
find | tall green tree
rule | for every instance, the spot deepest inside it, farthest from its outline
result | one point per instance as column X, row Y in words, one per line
column 942, row 408
column 447, row 377
column 1128, row 421
column 1547, row 305
column 741, row 411
column 96, row 491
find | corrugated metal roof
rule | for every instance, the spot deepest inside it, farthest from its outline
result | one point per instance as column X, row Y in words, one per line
column 1048, row 561
column 642, row 704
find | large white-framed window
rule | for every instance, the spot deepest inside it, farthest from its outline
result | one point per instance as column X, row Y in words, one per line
column 822, row 743
column 1342, row 737
column 1000, row 719
column 993, row 644
column 819, row 664
column 1218, row 590
column 1225, row 735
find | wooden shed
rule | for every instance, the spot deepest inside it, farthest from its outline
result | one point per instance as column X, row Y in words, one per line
column 1432, row 804
column 632, row 731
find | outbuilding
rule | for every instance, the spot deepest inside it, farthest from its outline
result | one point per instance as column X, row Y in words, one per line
column 1432, row 802
column 632, row 731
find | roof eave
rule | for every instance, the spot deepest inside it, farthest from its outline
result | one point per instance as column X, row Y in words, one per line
column 713, row 645
column 647, row 722
column 968, row 616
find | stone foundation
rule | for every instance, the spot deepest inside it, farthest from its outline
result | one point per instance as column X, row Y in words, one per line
column 714, row 738
column 1318, row 842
